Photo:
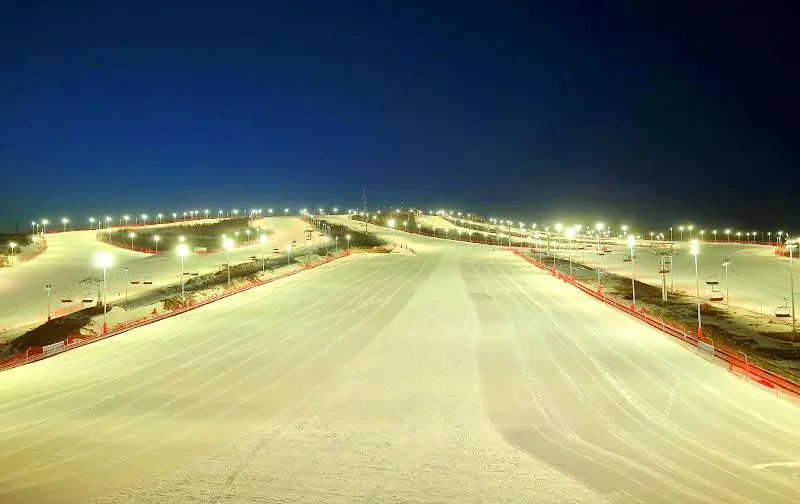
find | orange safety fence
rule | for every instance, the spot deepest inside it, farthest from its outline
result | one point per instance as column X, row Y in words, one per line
column 736, row 364
column 34, row 354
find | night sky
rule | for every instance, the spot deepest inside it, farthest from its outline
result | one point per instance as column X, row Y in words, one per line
column 654, row 113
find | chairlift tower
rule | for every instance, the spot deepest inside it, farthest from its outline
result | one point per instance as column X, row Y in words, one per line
column 665, row 255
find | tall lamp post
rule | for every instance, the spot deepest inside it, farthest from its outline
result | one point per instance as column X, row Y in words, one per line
column 104, row 260
column 13, row 246
column 49, row 289
column 792, row 245
column 64, row 221
column 598, row 227
column 631, row 245
column 228, row 244
column 570, row 233
column 156, row 239
column 694, row 249
column 289, row 254
column 559, row 227
column 348, row 241
column 725, row 264
column 263, row 239
column 182, row 251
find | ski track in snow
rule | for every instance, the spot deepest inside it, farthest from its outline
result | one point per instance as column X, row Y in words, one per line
column 460, row 374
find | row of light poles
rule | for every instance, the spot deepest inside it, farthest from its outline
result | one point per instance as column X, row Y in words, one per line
column 160, row 218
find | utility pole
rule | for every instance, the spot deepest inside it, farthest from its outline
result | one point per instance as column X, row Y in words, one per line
column 366, row 212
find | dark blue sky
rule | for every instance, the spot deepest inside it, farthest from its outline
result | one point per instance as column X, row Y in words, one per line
column 659, row 112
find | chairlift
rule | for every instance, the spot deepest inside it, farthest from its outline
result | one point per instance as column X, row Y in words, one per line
column 66, row 298
column 783, row 311
column 148, row 280
column 136, row 282
column 626, row 259
column 712, row 279
column 664, row 270
column 716, row 294
column 194, row 273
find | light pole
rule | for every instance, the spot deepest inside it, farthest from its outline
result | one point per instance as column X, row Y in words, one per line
column 125, row 218
column 49, row 289
column 144, row 219
column 598, row 227
column 64, row 221
column 336, row 243
column 156, row 239
column 182, row 251
column 228, row 244
column 126, row 282
column 792, row 246
column 680, row 228
column 45, row 222
column 91, row 223
column 631, row 245
column 263, row 239
column 725, row 264
column 690, row 231
column 289, row 254
column 348, row 241
column 694, row 248
column 12, row 245
column 104, row 260
column 728, row 234
column 715, row 235
column 570, row 236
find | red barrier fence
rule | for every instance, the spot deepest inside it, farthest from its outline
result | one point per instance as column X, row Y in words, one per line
column 736, row 364
column 34, row 354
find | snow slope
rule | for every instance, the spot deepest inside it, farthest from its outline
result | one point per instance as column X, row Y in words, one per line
column 68, row 259
column 758, row 279
column 459, row 374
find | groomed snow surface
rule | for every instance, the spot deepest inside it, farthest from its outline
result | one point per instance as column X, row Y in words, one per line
column 68, row 260
column 459, row 374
